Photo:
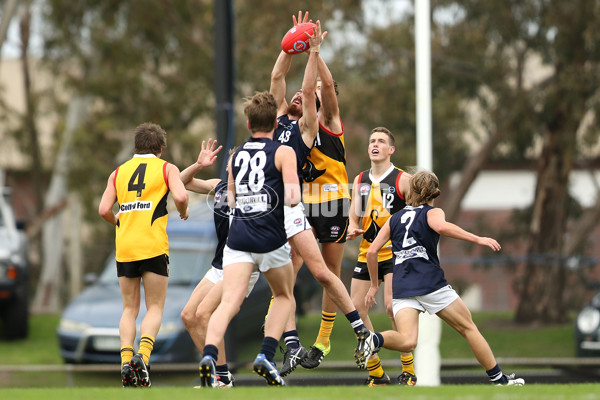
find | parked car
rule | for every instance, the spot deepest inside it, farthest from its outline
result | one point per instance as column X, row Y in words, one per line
column 89, row 327
column 14, row 277
column 587, row 329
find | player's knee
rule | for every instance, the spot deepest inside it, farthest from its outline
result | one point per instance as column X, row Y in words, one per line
column 410, row 346
column 187, row 318
column 324, row 277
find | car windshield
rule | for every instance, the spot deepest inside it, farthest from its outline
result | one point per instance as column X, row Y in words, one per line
column 186, row 266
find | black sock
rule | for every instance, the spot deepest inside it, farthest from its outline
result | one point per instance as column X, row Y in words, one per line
column 356, row 321
column 496, row 376
column 211, row 350
column 223, row 373
column 268, row 348
column 378, row 340
column 291, row 339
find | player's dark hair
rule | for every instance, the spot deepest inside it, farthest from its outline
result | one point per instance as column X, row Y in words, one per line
column 261, row 111
column 387, row 132
column 335, row 86
column 423, row 187
column 149, row 138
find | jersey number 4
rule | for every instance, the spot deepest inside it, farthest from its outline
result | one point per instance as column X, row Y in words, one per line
column 136, row 183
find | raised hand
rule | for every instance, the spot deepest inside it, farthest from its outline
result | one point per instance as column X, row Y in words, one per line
column 300, row 20
column 208, row 154
column 317, row 37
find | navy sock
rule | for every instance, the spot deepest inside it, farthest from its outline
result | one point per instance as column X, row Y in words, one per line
column 211, row 350
column 378, row 339
column 268, row 348
column 291, row 339
column 496, row 375
column 356, row 321
column 223, row 373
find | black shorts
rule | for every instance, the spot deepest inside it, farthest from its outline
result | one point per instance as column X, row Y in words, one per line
column 361, row 271
column 329, row 220
column 134, row 269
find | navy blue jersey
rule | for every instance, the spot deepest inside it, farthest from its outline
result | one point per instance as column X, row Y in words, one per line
column 257, row 224
column 288, row 133
column 221, row 218
column 417, row 269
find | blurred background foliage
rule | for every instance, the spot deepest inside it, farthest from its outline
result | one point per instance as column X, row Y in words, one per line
column 515, row 86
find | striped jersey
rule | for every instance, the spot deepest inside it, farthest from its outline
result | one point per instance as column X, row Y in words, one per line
column 142, row 190
column 378, row 200
column 325, row 173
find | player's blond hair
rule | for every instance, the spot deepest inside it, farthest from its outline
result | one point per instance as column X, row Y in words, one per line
column 423, row 187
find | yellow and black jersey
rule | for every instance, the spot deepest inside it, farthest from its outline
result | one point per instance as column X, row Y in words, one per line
column 378, row 200
column 325, row 173
column 142, row 190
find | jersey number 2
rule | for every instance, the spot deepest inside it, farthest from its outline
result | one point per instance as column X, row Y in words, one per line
column 408, row 218
column 138, row 176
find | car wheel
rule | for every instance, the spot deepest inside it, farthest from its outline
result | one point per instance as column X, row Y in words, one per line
column 16, row 318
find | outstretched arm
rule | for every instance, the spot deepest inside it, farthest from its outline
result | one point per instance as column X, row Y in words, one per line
column 206, row 158
column 329, row 115
column 309, row 125
column 278, row 85
column 436, row 218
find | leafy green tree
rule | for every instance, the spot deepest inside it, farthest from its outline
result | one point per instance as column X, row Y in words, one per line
column 138, row 61
column 534, row 74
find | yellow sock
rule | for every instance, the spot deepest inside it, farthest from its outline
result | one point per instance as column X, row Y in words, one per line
column 269, row 309
column 146, row 346
column 126, row 354
column 408, row 363
column 374, row 367
column 327, row 320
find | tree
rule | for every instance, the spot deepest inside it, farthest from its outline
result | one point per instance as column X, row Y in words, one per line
column 503, row 42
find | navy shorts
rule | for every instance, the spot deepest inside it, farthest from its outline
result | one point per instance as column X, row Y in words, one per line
column 134, row 269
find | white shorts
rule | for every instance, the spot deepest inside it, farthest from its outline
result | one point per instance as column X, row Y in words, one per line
column 215, row 275
column 295, row 220
column 432, row 303
column 263, row 261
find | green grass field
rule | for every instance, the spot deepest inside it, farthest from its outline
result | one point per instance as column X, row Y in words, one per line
column 462, row 392
column 506, row 340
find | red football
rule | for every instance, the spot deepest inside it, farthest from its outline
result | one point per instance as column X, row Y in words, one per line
column 295, row 41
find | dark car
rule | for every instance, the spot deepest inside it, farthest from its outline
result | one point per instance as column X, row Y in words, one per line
column 587, row 329
column 14, row 281
column 89, row 327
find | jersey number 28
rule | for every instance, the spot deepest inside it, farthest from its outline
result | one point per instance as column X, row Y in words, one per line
column 253, row 167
